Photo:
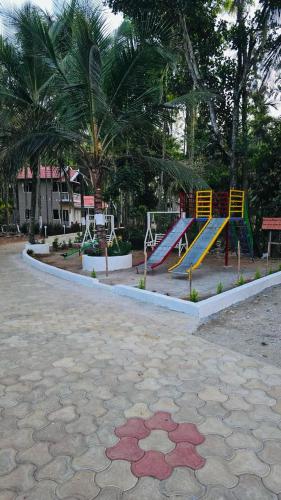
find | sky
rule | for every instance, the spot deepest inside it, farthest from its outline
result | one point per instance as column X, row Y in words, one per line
column 113, row 20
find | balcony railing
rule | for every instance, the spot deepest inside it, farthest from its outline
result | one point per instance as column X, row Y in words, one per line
column 64, row 196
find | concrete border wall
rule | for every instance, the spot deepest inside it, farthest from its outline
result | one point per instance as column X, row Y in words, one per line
column 200, row 310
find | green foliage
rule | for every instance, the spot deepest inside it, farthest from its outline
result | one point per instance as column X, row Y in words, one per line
column 78, row 238
column 55, row 244
column 93, row 274
column 194, row 296
column 141, row 284
column 70, row 244
column 220, row 287
column 270, row 271
column 63, row 245
column 30, row 252
column 241, row 280
column 257, row 274
column 120, row 248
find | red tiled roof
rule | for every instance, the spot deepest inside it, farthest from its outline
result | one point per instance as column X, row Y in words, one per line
column 272, row 224
column 46, row 172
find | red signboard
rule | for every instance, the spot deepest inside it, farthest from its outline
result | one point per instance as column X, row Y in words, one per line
column 271, row 223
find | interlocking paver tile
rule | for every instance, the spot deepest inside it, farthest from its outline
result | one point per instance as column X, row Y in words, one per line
column 118, row 474
column 240, row 439
column 126, row 449
column 147, row 488
column 134, row 427
column 213, row 425
column 251, row 488
column 36, row 420
column 152, row 464
column 81, row 484
column 59, row 470
column 215, row 446
column 38, row 455
column 139, row 410
column 161, row 420
column 94, row 459
column 53, row 433
column 273, row 480
column 157, row 440
column 267, row 431
column 182, row 482
column 212, row 394
column 216, row 472
column 7, row 461
column 110, row 493
column 271, row 453
column 66, row 414
column 73, row 445
column 45, row 490
column 246, row 462
column 20, row 478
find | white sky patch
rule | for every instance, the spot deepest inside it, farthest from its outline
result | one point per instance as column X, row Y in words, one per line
column 113, row 20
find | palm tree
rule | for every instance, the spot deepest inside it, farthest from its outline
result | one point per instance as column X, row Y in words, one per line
column 30, row 120
column 110, row 94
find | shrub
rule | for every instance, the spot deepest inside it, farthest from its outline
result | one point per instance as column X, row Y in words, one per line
column 78, row 238
column 257, row 274
column 55, row 244
column 63, row 245
column 122, row 248
column 93, row 251
column 141, row 284
column 220, row 287
column 270, row 271
column 241, row 280
column 194, row 296
column 30, row 252
column 70, row 244
column 93, row 274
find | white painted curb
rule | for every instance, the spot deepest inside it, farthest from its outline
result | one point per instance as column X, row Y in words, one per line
column 65, row 275
column 90, row 262
column 200, row 310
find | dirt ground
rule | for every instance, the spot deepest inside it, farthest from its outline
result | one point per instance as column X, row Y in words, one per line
column 5, row 240
column 252, row 327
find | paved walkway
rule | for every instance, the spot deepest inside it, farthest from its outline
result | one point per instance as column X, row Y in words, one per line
column 75, row 366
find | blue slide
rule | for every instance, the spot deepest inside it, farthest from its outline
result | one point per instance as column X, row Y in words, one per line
column 168, row 243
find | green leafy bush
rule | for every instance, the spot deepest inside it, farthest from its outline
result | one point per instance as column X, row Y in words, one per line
column 70, row 244
column 141, row 284
column 220, row 287
column 78, row 238
column 270, row 271
column 194, row 296
column 63, row 245
column 241, row 280
column 257, row 274
column 93, row 274
column 55, row 244
column 122, row 248
column 93, row 251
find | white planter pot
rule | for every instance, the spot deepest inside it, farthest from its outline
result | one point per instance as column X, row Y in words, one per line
column 38, row 247
column 114, row 263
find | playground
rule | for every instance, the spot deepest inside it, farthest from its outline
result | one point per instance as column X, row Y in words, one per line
column 207, row 246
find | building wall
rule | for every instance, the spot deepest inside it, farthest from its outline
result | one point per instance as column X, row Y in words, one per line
column 50, row 201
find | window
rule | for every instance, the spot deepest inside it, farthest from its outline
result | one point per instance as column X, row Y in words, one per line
column 27, row 187
column 65, row 216
column 56, row 214
column 27, row 213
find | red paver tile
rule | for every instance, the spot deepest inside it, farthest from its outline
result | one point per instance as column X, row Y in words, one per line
column 161, row 420
column 134, row 427
column 152, row 464
column 126, row 449
column 186, row 433
column 186, row 455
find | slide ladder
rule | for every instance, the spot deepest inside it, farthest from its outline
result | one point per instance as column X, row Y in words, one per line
column 168, row 243
column 198, row 250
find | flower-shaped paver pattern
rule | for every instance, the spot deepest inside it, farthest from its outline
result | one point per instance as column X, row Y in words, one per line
column 184, row 437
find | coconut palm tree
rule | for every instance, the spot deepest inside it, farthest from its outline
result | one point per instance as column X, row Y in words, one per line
column 110, row 93
column 30, row 120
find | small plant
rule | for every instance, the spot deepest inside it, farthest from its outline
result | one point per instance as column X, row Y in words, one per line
column 55, row 244
column 220, row 287
column 257, row 274
column 270, row 271
column 194, row 296
column 63, row 245
column 30, row 252
column 279, row 267
column 78, row 238
column 70, row 244
column 93, row 274
column 141, row 284
column 241, row 280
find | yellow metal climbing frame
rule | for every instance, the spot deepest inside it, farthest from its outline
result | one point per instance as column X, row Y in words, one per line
column 204, row 207
column 236, row 203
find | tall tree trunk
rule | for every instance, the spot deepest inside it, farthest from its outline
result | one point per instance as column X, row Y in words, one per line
column 244, row 118
column 34, row 166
